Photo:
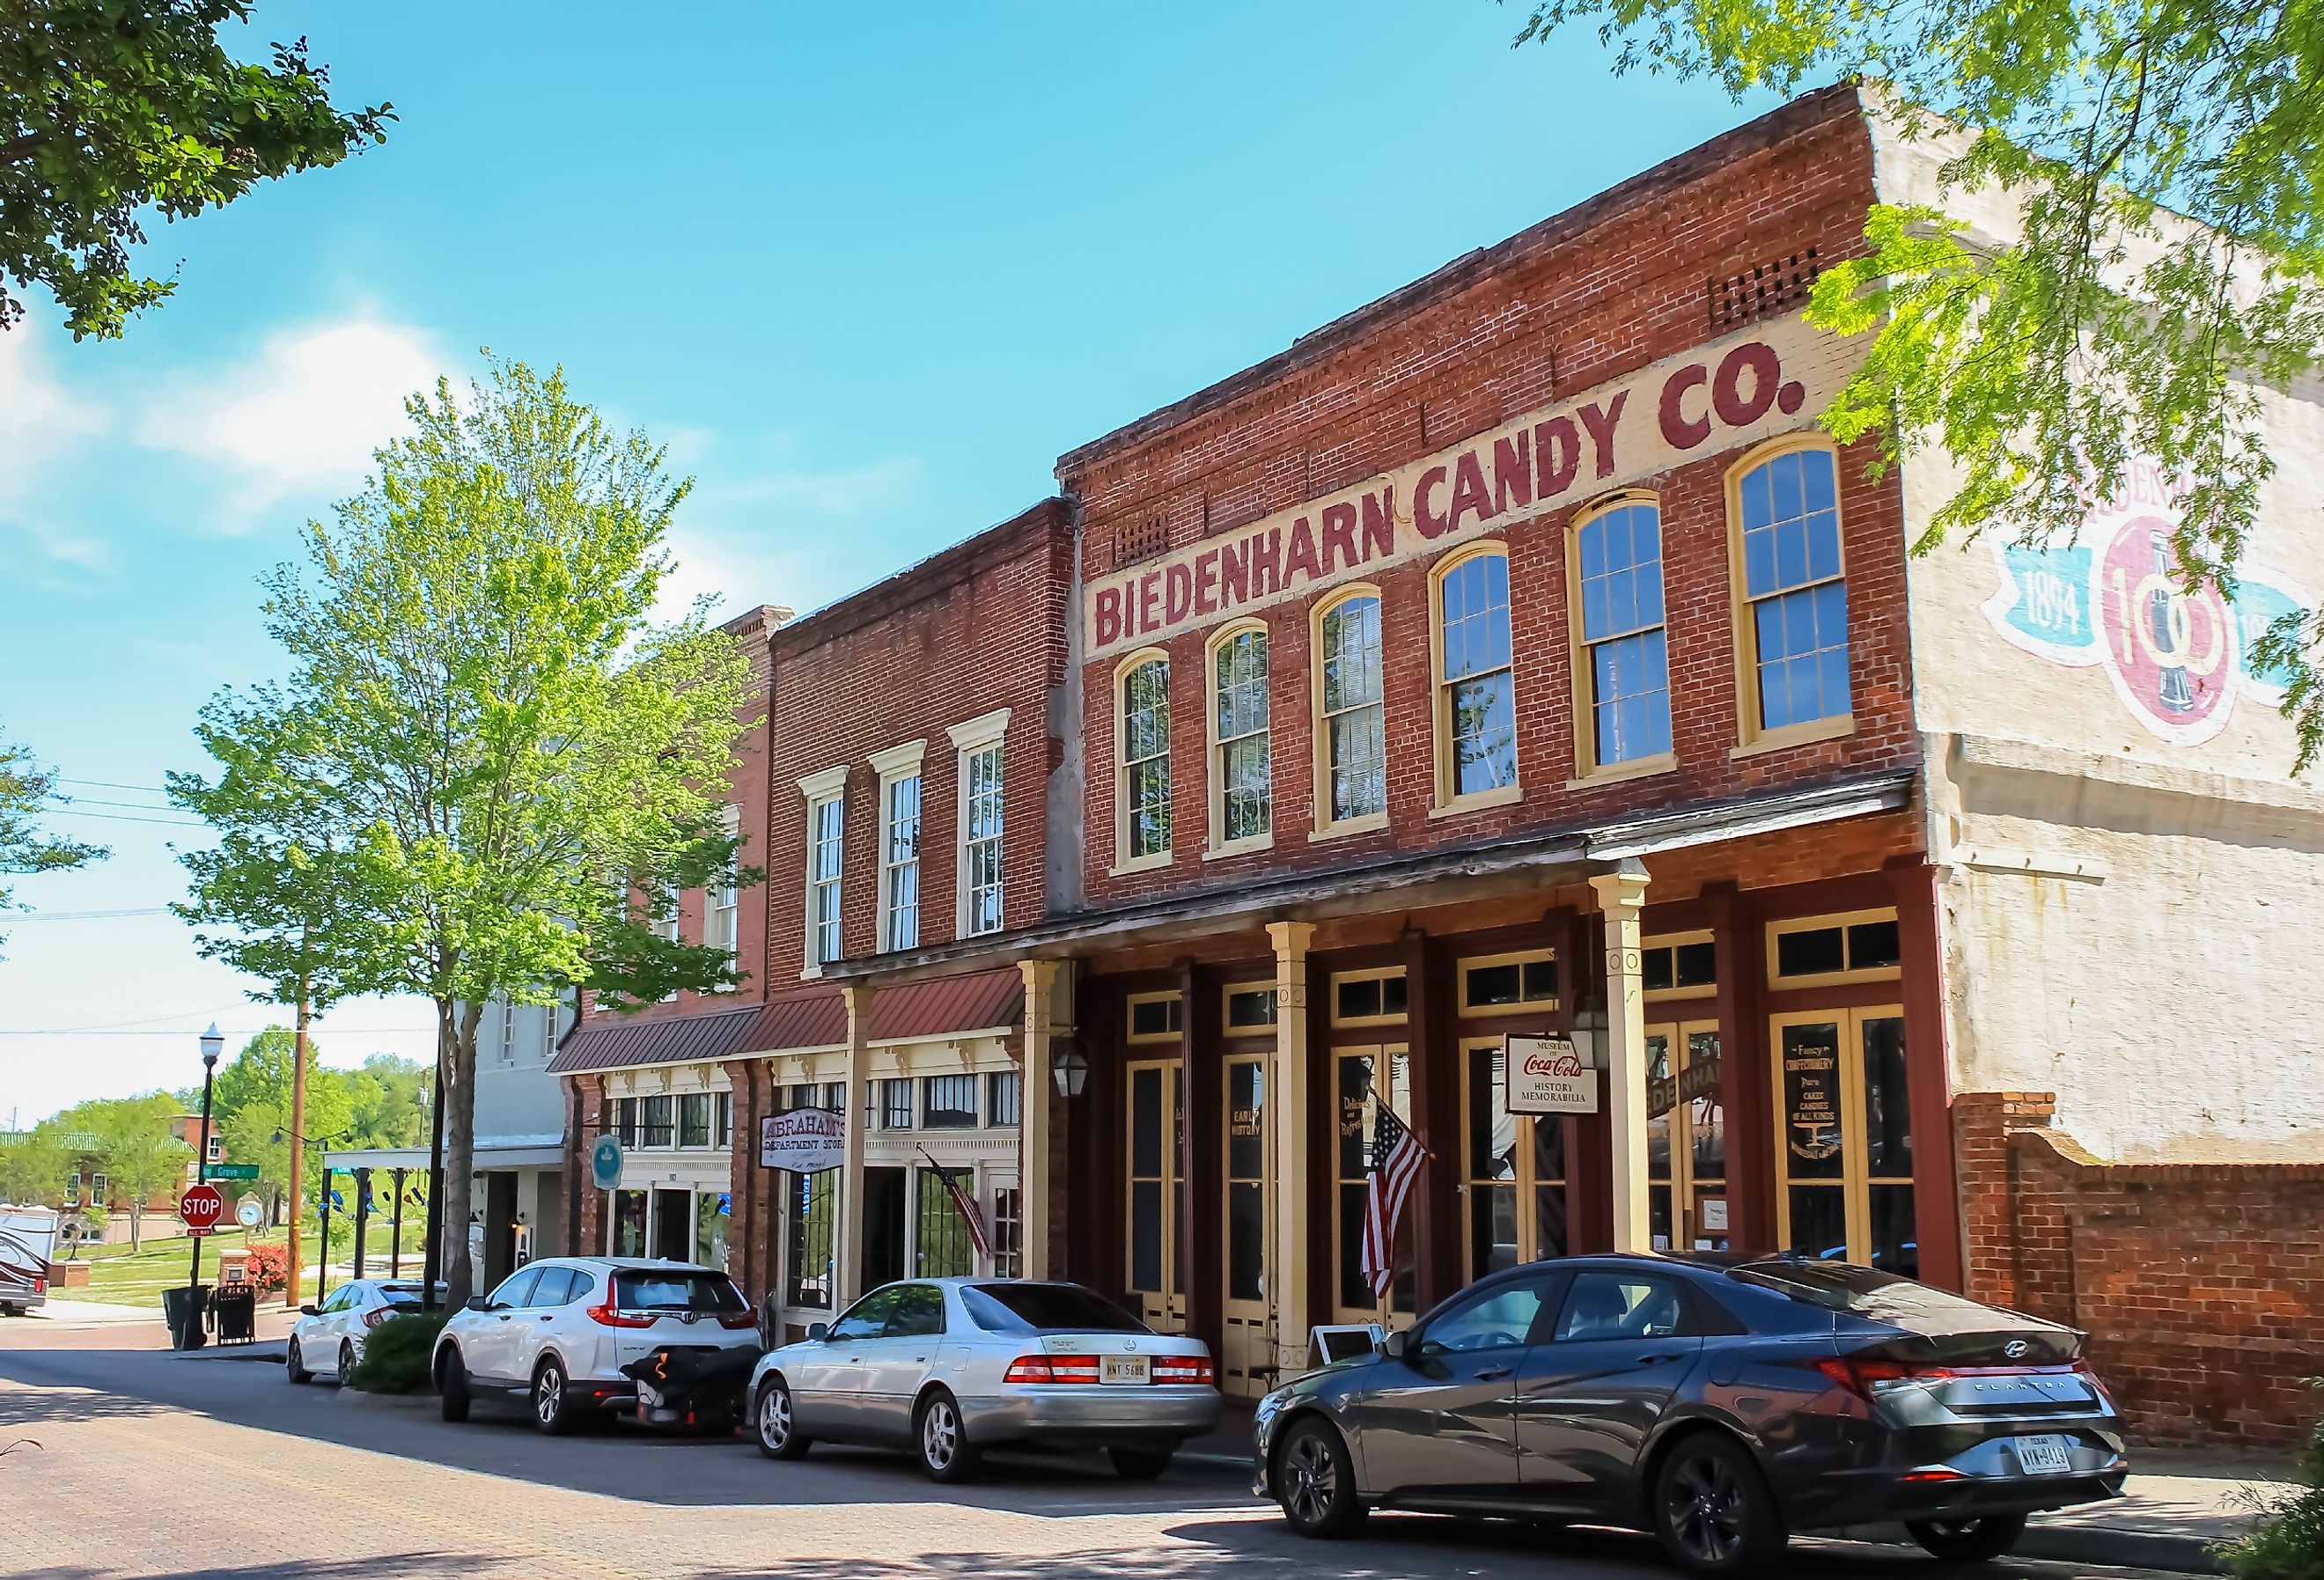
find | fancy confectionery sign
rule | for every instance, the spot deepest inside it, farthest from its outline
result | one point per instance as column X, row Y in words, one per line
column 1771, row 379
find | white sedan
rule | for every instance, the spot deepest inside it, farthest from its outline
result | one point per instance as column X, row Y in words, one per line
column 950, row 1367
column 329, row 1337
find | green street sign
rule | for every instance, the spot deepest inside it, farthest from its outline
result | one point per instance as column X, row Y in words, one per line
column 231, row 1171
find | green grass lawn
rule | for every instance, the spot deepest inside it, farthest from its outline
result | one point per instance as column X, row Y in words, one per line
column 121, row 1277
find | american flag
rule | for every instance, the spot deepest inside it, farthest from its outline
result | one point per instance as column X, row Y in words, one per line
column 963, row 1203
column 1396, row 1159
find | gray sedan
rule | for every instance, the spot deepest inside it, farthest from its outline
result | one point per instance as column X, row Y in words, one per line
column 950, row 1367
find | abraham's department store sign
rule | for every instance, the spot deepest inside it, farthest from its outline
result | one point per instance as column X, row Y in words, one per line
column 1770, row 380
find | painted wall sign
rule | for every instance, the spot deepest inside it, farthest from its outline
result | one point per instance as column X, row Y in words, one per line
column 2106, row 599
column 805, row 1140
column 1546, row 1076
column 1699, row 1079
column 1769, row 380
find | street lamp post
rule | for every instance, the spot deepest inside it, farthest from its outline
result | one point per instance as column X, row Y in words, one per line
column 213, row 1045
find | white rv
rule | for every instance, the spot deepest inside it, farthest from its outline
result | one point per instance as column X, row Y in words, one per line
column 28, row 1244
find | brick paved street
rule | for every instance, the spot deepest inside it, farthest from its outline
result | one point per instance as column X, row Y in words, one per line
column 204, row 1467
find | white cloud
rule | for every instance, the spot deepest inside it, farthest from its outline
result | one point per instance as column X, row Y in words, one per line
column 41, row 423
column 303, row 415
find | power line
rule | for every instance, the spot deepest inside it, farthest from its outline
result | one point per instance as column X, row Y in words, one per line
column 123, row 817
column 320, row 1032
column 110, row 784
column 94, row 915
column 100, row 801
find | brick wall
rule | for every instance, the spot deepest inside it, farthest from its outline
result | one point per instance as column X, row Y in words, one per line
column 1590, row 296
column 978, row 627
column 584, row 1203
column 2201, row 1284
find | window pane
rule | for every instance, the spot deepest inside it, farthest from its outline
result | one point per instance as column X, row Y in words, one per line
column 1494, row 984
column 1887, row 1106
column 694, row 1119
column 950, row 1103
column 814, row 1200
column 1813, row 1116
column 1004, row 1096
column 1653, row 969
column 1630, row 708
column 1872, row 945
column 1895, row 1244
column 1792, row 560
column 1612, row 1306
column 1484, row 733
column 1819, row 1221
column 1698, row 965
column 1810, row 952
column 1476, row 596
column 1359, row 764
column 1146, row 1236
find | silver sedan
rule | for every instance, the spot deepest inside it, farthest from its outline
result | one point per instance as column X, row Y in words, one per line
column 950, row 1367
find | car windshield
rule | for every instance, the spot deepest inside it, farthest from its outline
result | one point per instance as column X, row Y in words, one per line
column 640, row 1290
column 1045, row 1309
column 1839, row 1285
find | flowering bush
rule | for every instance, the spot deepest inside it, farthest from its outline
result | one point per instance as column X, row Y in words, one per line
column 2287, row 1541
column 270, row 1266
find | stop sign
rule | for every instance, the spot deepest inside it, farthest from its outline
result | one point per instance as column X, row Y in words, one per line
column 201, row 1206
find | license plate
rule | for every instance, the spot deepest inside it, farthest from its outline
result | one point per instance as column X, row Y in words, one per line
column 2047, row 1455
column 1123, row 1369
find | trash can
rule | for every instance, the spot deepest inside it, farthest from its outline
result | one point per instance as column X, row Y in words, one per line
column 234, row 1310
column 182, row 1306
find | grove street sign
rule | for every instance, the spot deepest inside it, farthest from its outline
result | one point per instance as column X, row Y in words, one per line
column 230, row 1171
column 201, row 1208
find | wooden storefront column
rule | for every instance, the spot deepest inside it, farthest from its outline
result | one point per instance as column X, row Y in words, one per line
column 1621, row 894
column 1201, row 1217
column 1288, row 1259
column 848, row 1272
column 1928, row 1081
column 1048, row 1027
column 1743, row 1072
column 1434, row 1060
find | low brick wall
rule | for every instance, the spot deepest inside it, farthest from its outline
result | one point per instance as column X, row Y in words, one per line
column 2201, row 1284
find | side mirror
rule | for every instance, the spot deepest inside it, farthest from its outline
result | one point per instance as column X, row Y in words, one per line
column 310, row 1310
column 1392, row 1347
column 817, row 1332
column 479, row 1303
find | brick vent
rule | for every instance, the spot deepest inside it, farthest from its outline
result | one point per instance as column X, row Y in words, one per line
column 1763, row 291
column 1136, row 540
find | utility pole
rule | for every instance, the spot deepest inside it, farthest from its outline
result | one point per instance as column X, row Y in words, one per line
column 291, row 1288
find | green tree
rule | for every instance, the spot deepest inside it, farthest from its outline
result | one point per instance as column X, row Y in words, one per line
column 25, row 786
column 251, row 1109
column 110, row 108
column 141, row 1159
column 2107, row 328
column 33, row 1166
column 388, row 1101
column 511, row 745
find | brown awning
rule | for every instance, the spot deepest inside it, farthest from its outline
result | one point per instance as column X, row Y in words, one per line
column 981, row 1000
column 814, row 1018
column 671, row 1039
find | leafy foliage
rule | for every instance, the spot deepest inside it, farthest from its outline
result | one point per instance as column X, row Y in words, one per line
column 23, row 847
column 485, row 728
column 395, row 1356
column 33, row 1164
column 2286, row 1542
column 112, row 107
column 142, row 1160
column 2106, row 328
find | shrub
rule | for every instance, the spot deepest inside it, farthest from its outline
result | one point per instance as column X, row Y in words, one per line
column 2286, row 1542
column 395, row 1356
column 270, row 1268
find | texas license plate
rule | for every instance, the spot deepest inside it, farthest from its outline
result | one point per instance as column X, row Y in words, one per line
column 1123, row 1369
column 2046, row 1454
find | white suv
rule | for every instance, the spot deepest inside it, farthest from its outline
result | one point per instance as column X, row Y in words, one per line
column 557, row 1331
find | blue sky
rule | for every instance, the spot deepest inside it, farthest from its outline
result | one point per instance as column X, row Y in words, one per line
column 866, row 270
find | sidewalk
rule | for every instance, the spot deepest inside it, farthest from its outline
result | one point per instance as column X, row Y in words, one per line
column 2176, row 1503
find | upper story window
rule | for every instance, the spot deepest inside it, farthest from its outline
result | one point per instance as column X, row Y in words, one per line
column 895, row 1101
column 660, row 1127
column 1143, row 787
column 1622, row 667
column 1004, row 1098
column 1242, row 788
column 723, row 900
column 826, row 825
column 1791, row 633
column 694, row 1119
column 1476, row 693
column 981, row 805
column 508, row 1033
column 1353, row 761
column 948, row 1101
column 899, row 767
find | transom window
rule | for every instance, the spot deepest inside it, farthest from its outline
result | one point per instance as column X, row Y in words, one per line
column 1625, row 668
column 1355, row 735
column 1793, row 581
column 826, row 823
column 1368, row 998
column 1681, row 964
column 1477, row 703
column 1853, row 947
column 1244, row 772
column 980, row 808
column 1251, row 1009
column 900, row 864
column 1155, row 1017
column 1505, row 984
column 1145, row 760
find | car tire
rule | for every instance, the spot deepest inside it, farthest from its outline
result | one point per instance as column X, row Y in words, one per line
column 774, row 1425
column 1314, row 1482
column 294, row 1364
column 346, row 1361
column 942, row 1439
column 1968, row 1541
column 452, row 1383
column 1711, row 1511
column 1140, row 1464
column 552, row 1405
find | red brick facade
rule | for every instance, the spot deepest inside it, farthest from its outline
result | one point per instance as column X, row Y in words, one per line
column 2201, row 1284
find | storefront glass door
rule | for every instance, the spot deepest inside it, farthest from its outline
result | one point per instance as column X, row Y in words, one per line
column 1686, row 1136
column 1844, row 1142
column 1153, row 1154
column 1247, row 1361
column 1362, row 1076
column 1513, row 1168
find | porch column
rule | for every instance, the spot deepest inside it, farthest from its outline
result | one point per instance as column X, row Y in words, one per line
column 1621, row 893
column 849, row 1253
column 1288, row 1263
column 1048, row 1021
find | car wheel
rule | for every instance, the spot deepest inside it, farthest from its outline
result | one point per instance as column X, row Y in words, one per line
column 778, row 1433
column 294, row 1364
column 1316, row 1482
column 346, row 1361
column 945, row 1451
column 552, row 1412
column 452, row 1383
column 1140, row 1464
column 1969, row 1541
column 1712, row 1512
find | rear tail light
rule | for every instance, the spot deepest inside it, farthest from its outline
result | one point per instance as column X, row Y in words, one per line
column 1182, row 1369
column 2098, row 1384
column 39, row 1286
column 737, row 1319
column 1060, row 1369
column 1941, row 1474
column 607, row 1315
column 375, row 1315
column 1867, row 1376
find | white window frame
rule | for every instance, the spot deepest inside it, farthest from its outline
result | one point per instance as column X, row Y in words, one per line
column 1214, row 655
column 986, row 734
column 722, row 906
column 1123, row 860
column 508, row 1033
column 894, row 766
column 821, row 789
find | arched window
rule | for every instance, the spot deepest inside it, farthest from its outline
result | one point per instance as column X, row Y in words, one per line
column 1353, row 761
column 1476, row 694
column 1794, row 627
column 1242, row 803
column 1144, row 759
column 1623, row 674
